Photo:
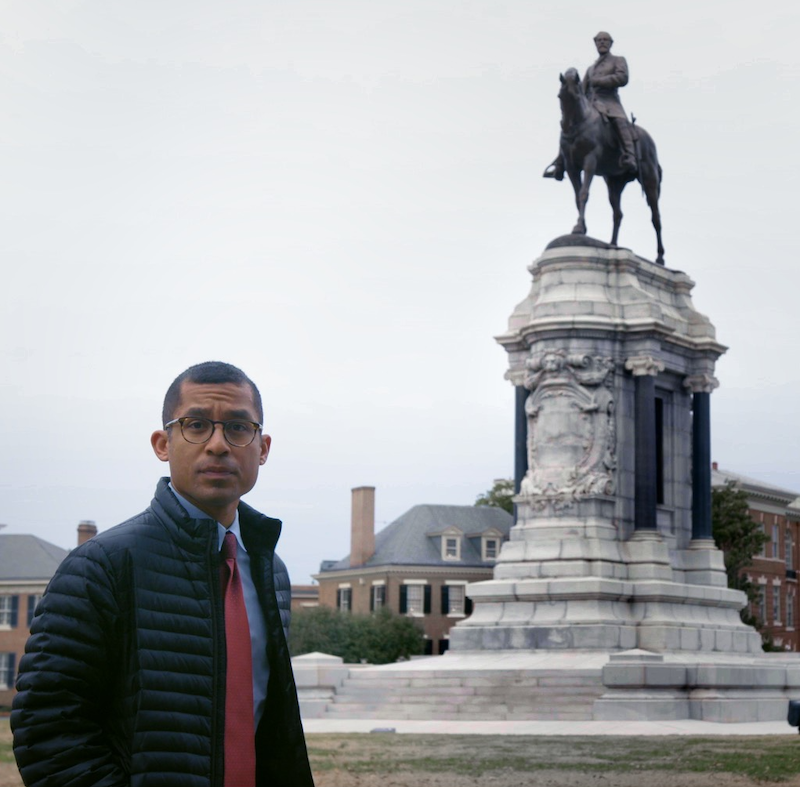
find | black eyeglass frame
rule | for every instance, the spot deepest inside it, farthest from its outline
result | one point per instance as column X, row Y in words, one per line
column 257, row 426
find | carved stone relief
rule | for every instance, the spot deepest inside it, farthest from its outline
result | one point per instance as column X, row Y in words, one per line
column 571, row 428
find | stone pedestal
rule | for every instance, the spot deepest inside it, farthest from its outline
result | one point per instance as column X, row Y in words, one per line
column 610, row 600
column 608, row 552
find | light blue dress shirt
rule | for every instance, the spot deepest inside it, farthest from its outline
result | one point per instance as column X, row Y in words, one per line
column 255, row 615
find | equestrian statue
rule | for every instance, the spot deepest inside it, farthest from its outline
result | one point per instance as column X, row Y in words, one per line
column 597, row 139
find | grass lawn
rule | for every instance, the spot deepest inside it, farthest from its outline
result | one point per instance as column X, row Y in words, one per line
column 391, row 760
column 380, row 760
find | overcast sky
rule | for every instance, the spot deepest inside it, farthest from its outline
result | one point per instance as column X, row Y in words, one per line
column 342, row 199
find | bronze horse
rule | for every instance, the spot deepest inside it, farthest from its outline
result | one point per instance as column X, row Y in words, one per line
column 590, row 147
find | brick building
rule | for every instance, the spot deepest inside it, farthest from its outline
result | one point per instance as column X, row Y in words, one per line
column 304, row 597
column 419, row 565
column 26, row 565
column 775, row 570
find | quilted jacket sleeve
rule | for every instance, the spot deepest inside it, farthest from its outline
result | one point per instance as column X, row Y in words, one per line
column 61, row 736
column 283, row 593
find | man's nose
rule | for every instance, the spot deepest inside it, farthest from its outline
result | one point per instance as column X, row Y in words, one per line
column 217, row 443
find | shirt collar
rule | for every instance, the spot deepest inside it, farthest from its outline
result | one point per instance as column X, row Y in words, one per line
column 195, row 513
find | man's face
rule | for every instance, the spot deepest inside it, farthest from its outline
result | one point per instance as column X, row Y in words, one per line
column 603, row 43
column 215, row 474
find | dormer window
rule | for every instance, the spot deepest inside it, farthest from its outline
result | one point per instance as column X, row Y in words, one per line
column 450, row 540
column 491, row 546
column 451, row 547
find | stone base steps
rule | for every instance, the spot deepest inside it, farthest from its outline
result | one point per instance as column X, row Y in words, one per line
column 500, row 695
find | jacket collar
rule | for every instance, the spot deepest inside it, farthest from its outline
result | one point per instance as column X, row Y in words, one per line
column 260, row 533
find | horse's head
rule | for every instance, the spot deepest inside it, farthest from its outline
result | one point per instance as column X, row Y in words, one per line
column 570, row 83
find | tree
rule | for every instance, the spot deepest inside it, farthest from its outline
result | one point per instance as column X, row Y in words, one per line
column 499, row 495
column 741, row 539
column 381, row 638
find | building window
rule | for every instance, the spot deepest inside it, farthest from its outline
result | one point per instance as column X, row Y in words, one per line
column 762, row 604
column 378, row 597
column 344, row 599
column 789, row 546
column 32, row 602
column 7, row 664
column 453, row 600
column 455, row 605
column 776, row 540
column 790, row 611
column 9, row 606
column 451, row 548
column 776, row 605
column 490, row 548
column 763, row 552
column 415, row 598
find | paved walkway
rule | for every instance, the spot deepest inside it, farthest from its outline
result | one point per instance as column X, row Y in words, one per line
column 683, row 727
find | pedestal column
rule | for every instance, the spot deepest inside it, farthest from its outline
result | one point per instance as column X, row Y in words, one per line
column 520, row 439
column 645, row 369
column 701, row 386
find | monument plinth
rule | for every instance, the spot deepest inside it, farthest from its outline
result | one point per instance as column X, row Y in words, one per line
column 610, row 599
column 613, row 367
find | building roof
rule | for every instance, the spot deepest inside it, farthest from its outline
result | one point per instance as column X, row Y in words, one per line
column 25, row 557
column 411, row 539
column 755, row 487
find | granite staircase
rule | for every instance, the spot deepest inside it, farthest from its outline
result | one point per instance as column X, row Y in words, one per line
column 387, row 693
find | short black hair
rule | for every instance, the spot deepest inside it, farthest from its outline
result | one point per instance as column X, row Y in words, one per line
column 208, row 373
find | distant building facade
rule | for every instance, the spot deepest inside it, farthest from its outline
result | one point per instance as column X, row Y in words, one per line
column 304, row 597
column 27, row 564
column 777, row 511
column 419, row 565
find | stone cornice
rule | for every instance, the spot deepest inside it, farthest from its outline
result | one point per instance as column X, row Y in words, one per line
column 23, row 586
column 339, row 574
column 521, row 339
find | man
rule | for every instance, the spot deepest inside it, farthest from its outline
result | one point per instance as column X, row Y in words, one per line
column 600, row 85
column 158, row 654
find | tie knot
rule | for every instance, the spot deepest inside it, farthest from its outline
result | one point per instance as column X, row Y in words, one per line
column 229, row 545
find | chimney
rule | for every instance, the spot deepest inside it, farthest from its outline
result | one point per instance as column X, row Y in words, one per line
column 362, row 525
column 86, row 529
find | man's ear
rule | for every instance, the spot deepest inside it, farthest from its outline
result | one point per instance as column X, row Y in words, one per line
column 159, row 442
column 266, row 442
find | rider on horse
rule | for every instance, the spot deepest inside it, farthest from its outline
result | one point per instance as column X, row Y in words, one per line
column 600, row 84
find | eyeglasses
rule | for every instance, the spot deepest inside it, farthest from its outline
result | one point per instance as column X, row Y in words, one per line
column 199, row 430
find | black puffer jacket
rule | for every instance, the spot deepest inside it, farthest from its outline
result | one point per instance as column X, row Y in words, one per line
column 122, row 683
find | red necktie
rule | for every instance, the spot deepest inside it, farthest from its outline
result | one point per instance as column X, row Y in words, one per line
column 240, row 738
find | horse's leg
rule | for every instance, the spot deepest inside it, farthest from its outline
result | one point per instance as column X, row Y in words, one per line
column 577, row 185
column 615, row 187
column 651, row 182
column 582, row 193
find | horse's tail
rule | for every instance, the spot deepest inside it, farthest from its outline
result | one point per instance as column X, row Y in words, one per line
column 660, row 178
